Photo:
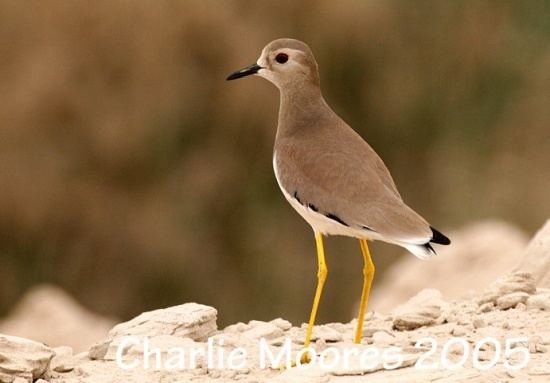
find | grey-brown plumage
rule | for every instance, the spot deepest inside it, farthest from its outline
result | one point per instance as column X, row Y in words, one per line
column 328, row 173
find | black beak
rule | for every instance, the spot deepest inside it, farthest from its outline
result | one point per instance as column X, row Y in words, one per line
column 252, row 69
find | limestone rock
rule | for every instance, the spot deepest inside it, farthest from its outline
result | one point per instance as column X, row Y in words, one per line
column 458, row 331
column 511, row 300
column 368, row 332
column 421, row 310
column 163, row 343
column 307, row 375
column 515, row 282
column 536, row 257
column 505, row 289
column 22, row 358
column 539, row 301
column 412, row 321
column 98, row 350
column 382, row 338
column 190, row 320
column 282, row 324
column 63, row 360
column 326, row 333
column 479, row 322
column 355, row 367
column 264, row 330
column 236, row 328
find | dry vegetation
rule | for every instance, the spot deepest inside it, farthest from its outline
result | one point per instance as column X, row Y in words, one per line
column 135, row 177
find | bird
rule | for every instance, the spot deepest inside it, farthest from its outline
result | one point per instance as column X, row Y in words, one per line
column 330, row 175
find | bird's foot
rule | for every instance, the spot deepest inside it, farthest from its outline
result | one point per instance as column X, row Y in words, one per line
column 305, row 358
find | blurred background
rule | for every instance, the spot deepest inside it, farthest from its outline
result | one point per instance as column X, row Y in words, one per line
column 135, row 177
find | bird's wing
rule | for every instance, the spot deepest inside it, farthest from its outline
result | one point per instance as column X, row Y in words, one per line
column 339, row 174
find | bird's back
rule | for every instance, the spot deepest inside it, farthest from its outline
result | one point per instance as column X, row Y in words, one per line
column 328, row 166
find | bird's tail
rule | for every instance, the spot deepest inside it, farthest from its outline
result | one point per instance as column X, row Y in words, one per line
column 425, row 250
column 421, row 251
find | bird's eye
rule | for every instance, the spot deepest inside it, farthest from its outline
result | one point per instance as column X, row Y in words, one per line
column 281, row 58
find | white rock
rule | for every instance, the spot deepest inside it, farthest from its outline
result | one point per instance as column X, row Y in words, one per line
column 368, row 332
column 340, row 327
column 479, row 322
column 489, row 297
column 540, row 370
column 355, row 367
column 265, row 330
column 282, row 324
column 458, row 331
column 413, row 320
column 22, row 358
column 486, row 307
column 421, row 316
column 539, row 301
column 190, row 320
column 463, row 320
column 536, row 258
column 327, row 333
column 63, row 361
column 160, row 342
column 382, row 338
column 313, row 374
column 421, row 310
column 230, row 339
column 98, row 350
column 518, row 281
column 237, row 327
column 511, row 300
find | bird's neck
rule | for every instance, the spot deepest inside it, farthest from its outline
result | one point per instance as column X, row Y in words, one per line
column 301, row 107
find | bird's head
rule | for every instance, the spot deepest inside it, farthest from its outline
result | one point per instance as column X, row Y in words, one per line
column 284, row 62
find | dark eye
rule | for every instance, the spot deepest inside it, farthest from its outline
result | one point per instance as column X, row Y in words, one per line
column 281, row 58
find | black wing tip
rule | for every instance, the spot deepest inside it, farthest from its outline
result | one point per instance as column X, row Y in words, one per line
column 439, row 238
column 430, row 248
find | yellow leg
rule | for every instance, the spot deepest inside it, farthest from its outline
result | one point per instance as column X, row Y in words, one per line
column 321, row 277
column 368, row 275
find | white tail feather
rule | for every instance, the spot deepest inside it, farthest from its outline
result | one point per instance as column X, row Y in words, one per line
column 421, row 251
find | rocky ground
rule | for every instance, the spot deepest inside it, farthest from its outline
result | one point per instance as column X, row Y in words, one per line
column 500, row 333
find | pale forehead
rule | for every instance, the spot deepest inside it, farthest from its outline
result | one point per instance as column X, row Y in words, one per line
column 292, row 44
column 266, row 52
